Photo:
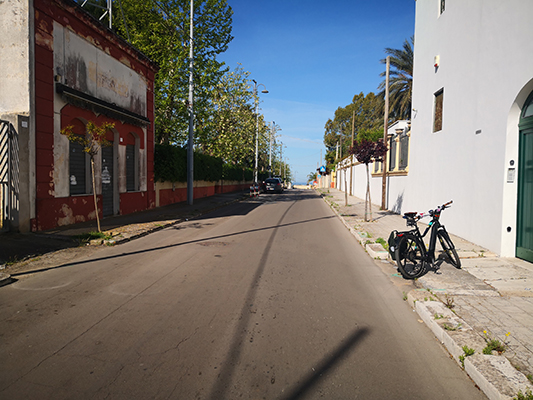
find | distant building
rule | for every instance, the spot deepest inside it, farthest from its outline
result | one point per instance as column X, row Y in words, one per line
column 61, row 67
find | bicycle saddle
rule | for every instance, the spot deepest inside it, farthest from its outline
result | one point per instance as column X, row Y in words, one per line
column 410, row 214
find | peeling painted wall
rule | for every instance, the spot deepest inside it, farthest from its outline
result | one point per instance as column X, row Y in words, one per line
column 84, row 67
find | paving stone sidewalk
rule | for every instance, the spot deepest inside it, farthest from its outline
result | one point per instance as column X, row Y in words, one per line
column 491, row 298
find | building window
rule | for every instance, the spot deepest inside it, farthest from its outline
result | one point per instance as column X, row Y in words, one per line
column 77, row 169
column 130, row 168
column 132, row 163
column 442, row 6
column 439, row 100
column 392, row 152
column 403, row 154
column 397, row 156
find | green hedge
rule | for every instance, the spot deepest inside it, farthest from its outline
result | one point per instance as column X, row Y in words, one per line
column 170, row 164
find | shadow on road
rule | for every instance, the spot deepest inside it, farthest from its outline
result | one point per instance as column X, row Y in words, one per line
column 328, row 364
column 132, row 253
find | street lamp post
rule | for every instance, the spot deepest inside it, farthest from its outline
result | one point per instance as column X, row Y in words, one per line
column 256, row 97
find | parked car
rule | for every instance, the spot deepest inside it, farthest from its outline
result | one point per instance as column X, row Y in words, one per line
column 273, row 185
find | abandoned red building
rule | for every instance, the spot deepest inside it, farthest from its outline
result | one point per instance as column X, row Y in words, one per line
column 67, row 69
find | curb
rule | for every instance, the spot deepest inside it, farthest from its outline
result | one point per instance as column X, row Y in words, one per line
column 505, row 381
column 5, row 279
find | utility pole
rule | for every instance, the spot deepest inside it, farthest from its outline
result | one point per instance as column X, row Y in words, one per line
column 190, row 145
column 351, row 157
column 385, row 137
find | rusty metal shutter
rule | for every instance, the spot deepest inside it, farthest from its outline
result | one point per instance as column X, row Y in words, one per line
column 130, row 168
column 78, row 169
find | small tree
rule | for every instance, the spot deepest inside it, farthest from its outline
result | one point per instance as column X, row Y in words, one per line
column 94, row 140
column 366, row 151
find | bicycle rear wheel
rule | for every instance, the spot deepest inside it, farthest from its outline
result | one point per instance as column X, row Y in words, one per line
column 410, row 256
column 449, row 248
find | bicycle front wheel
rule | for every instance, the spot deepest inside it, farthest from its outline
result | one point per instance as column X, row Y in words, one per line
column 410, row 256
column 449, row 248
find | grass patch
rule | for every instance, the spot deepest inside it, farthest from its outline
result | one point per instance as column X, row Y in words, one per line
column 467, row 352
column 87, row 237
column 524, row 396
column 383, row 242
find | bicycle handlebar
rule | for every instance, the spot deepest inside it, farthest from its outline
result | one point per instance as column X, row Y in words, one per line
column 430, row 213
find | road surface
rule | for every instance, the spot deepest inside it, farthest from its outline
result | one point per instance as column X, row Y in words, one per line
column 270, row 298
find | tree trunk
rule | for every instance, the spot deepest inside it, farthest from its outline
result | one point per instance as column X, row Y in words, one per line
column 94, row 194
column 368, row 200
column 345, row 189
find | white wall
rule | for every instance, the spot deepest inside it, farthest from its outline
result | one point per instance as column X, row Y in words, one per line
column 15, row 57
column 486, row 58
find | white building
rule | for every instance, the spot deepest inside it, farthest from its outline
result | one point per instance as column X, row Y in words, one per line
column 471, row 136
column 473, row 80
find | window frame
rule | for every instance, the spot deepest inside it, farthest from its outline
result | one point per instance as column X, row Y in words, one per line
column 397, row 170
column 438, row 110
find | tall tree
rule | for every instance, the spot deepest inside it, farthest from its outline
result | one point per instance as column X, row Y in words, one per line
column 363, row 113
column 160, row 29
column 368, row 148
column 400, row 81
column 231, row 130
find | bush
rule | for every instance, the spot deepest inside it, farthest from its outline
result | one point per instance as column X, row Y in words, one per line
column 170, row 164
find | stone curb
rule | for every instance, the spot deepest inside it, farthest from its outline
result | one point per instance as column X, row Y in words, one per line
column 494, row 375
column 5, row 279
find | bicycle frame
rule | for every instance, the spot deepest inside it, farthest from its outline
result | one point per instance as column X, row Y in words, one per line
column 434, row 225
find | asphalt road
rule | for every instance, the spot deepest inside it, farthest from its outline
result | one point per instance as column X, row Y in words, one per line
column 269, row 298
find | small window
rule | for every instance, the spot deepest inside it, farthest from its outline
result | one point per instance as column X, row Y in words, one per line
column 439, row 102
column 404, row 152
column 392, row 153
column 77, row 169
column 442, row 6
column 130, row 168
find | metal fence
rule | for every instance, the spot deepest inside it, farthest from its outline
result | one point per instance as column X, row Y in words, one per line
column 9, row 176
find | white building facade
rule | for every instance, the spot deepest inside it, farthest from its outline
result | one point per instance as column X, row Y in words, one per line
column 471, row 139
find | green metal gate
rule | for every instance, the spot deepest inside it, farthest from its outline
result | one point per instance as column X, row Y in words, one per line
column 524, row 235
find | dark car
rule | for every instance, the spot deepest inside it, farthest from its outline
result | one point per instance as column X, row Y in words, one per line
column 273, row 185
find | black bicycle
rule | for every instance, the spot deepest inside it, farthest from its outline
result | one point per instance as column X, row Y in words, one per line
column 409, row 250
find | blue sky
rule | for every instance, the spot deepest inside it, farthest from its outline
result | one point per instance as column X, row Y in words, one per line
column 313, row 56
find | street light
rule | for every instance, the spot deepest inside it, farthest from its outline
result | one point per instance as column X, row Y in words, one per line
column 257, row 124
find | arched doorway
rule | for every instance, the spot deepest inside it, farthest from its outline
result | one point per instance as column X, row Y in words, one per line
column 524, row 235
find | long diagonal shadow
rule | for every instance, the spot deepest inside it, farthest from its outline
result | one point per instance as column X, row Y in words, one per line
column 327, row 364
column 228, row 369
column 170, row 246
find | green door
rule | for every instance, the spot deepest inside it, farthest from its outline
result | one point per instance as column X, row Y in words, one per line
column 524, row 235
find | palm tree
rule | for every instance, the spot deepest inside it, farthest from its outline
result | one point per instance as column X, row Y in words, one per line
column 400, row 80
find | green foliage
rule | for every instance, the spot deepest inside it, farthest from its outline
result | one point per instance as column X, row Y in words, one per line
column 93, row 139
column 160, row 29
column 400, row 80
column 467, row 353
column 528, row 395
column 494, row 345
column 364, row 114
column 170, row 164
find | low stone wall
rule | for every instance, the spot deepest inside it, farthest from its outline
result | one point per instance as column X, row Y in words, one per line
column 176, row 192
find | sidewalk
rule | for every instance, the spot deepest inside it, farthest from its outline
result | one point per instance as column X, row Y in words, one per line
column 489, row 294
column 22, row 252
